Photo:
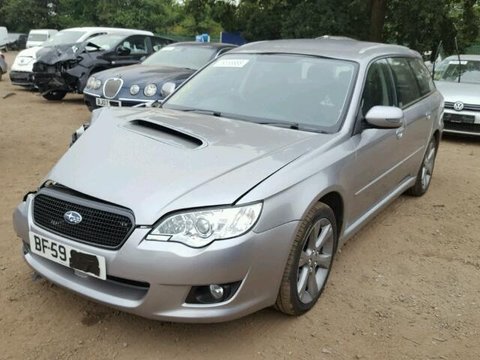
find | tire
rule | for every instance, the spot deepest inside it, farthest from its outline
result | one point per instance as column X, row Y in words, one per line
column 1, row 75
column 309, row 263
column 55, row 95
column 425, row 173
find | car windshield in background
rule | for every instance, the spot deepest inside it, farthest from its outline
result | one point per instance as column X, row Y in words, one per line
column 467, row 71
column 305, row 92
column 104, row 42
column 37, row 37
column 64, row 37
column 190, row 57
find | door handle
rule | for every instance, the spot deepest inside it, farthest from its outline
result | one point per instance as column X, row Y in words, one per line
column 428, row 115
column 400, row 131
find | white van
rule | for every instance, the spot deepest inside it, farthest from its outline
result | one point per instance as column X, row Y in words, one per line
column 38, row 36
column 3, row 37
column 22, row 68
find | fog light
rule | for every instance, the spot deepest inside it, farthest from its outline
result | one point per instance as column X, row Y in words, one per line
column 216, row 291
column 211, row 294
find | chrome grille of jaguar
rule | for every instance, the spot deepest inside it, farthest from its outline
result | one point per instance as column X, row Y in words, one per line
column 112, row 87
column 469, row 107
column 101, row 225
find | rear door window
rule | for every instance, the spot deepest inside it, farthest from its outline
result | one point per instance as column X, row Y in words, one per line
column 423, row 76
column 405, row 82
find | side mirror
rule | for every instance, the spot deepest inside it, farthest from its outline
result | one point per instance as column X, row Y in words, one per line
column 167, row 89
column 385, row 117
column 123, row 51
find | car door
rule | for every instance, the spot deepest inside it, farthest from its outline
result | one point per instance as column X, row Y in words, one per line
column 375, row 170
column 414, row 100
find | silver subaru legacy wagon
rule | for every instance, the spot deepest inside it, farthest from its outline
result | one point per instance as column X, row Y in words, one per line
column 236, row 194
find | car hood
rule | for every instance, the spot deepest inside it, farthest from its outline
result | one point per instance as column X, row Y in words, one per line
column 143, row 74
column 30, row 52
column 66, row 52
column 156, row 161
column 464, row 92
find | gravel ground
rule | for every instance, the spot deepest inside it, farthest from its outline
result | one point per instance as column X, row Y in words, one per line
column 406, row 287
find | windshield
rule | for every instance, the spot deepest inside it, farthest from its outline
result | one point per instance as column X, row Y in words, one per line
column 37, row 37
column 305, row 91
column 183, row 56
column 467, row 71
column 64, row 37
column 104, row 42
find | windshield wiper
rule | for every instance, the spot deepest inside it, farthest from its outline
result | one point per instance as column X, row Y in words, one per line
column 284, row 124
column 293, row 126
column 201, row 111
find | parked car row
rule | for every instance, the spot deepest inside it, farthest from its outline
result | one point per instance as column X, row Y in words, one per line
column 236, row 193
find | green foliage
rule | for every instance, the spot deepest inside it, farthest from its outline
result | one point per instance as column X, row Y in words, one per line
column 419, row 24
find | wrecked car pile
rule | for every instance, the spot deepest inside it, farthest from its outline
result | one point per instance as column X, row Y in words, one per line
column 66, row 68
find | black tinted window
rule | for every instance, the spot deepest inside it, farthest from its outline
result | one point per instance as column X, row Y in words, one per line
column 405, row 81
column 378, row 87
column 423, row 76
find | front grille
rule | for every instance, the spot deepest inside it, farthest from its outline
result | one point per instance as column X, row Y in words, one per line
column 469, row 107
column 101, row 225
column 471, row 128
column 112, row 87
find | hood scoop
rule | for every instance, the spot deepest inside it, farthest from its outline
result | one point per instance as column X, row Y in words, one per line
column 164, row 134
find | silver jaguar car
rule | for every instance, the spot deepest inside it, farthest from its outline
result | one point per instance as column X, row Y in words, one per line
column 236, row 193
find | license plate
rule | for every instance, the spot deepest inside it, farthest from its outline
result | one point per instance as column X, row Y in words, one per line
column 459, row 118
column 106, row 102
column 68, row 256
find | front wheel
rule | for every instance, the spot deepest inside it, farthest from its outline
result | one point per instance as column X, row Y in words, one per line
column 424, row 176
column 54, row 95
column 309, row 262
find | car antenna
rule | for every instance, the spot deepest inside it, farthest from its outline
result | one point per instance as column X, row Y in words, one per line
column 459, row 60
column 437, row 53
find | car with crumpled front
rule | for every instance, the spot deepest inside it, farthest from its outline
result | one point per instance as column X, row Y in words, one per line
column 459, row 82
column 142, row 83
column 236, row 194
column 21, row 73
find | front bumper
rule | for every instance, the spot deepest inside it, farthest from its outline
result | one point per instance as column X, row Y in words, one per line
column 22, row 78
column 50, row 82
column 460, row 122
column 153, row 279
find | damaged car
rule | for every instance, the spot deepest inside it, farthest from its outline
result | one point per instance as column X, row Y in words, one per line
column 236, row 193
column 142, row 83
column 63, row 69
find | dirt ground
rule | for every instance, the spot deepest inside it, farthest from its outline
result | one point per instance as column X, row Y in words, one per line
column 406, row 287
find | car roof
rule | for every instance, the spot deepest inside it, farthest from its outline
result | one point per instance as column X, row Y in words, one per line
column 110, row 29
column 204, row 44
column 331, row 47
column 463, row 57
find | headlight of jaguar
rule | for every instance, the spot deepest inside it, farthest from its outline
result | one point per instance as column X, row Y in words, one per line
column 97, row 83
column 90, row 82
column 134, row 89
column 150, row 90
column 199, row 228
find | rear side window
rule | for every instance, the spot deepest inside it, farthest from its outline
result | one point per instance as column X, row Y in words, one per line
column 405, row 82
column 378, row 87
column 423, row 76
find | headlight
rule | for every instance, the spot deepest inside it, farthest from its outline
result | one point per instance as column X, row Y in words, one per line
column 90, row 82
column 199, row 228
column 150, row 90
column 96, row 84
column 134, row 89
